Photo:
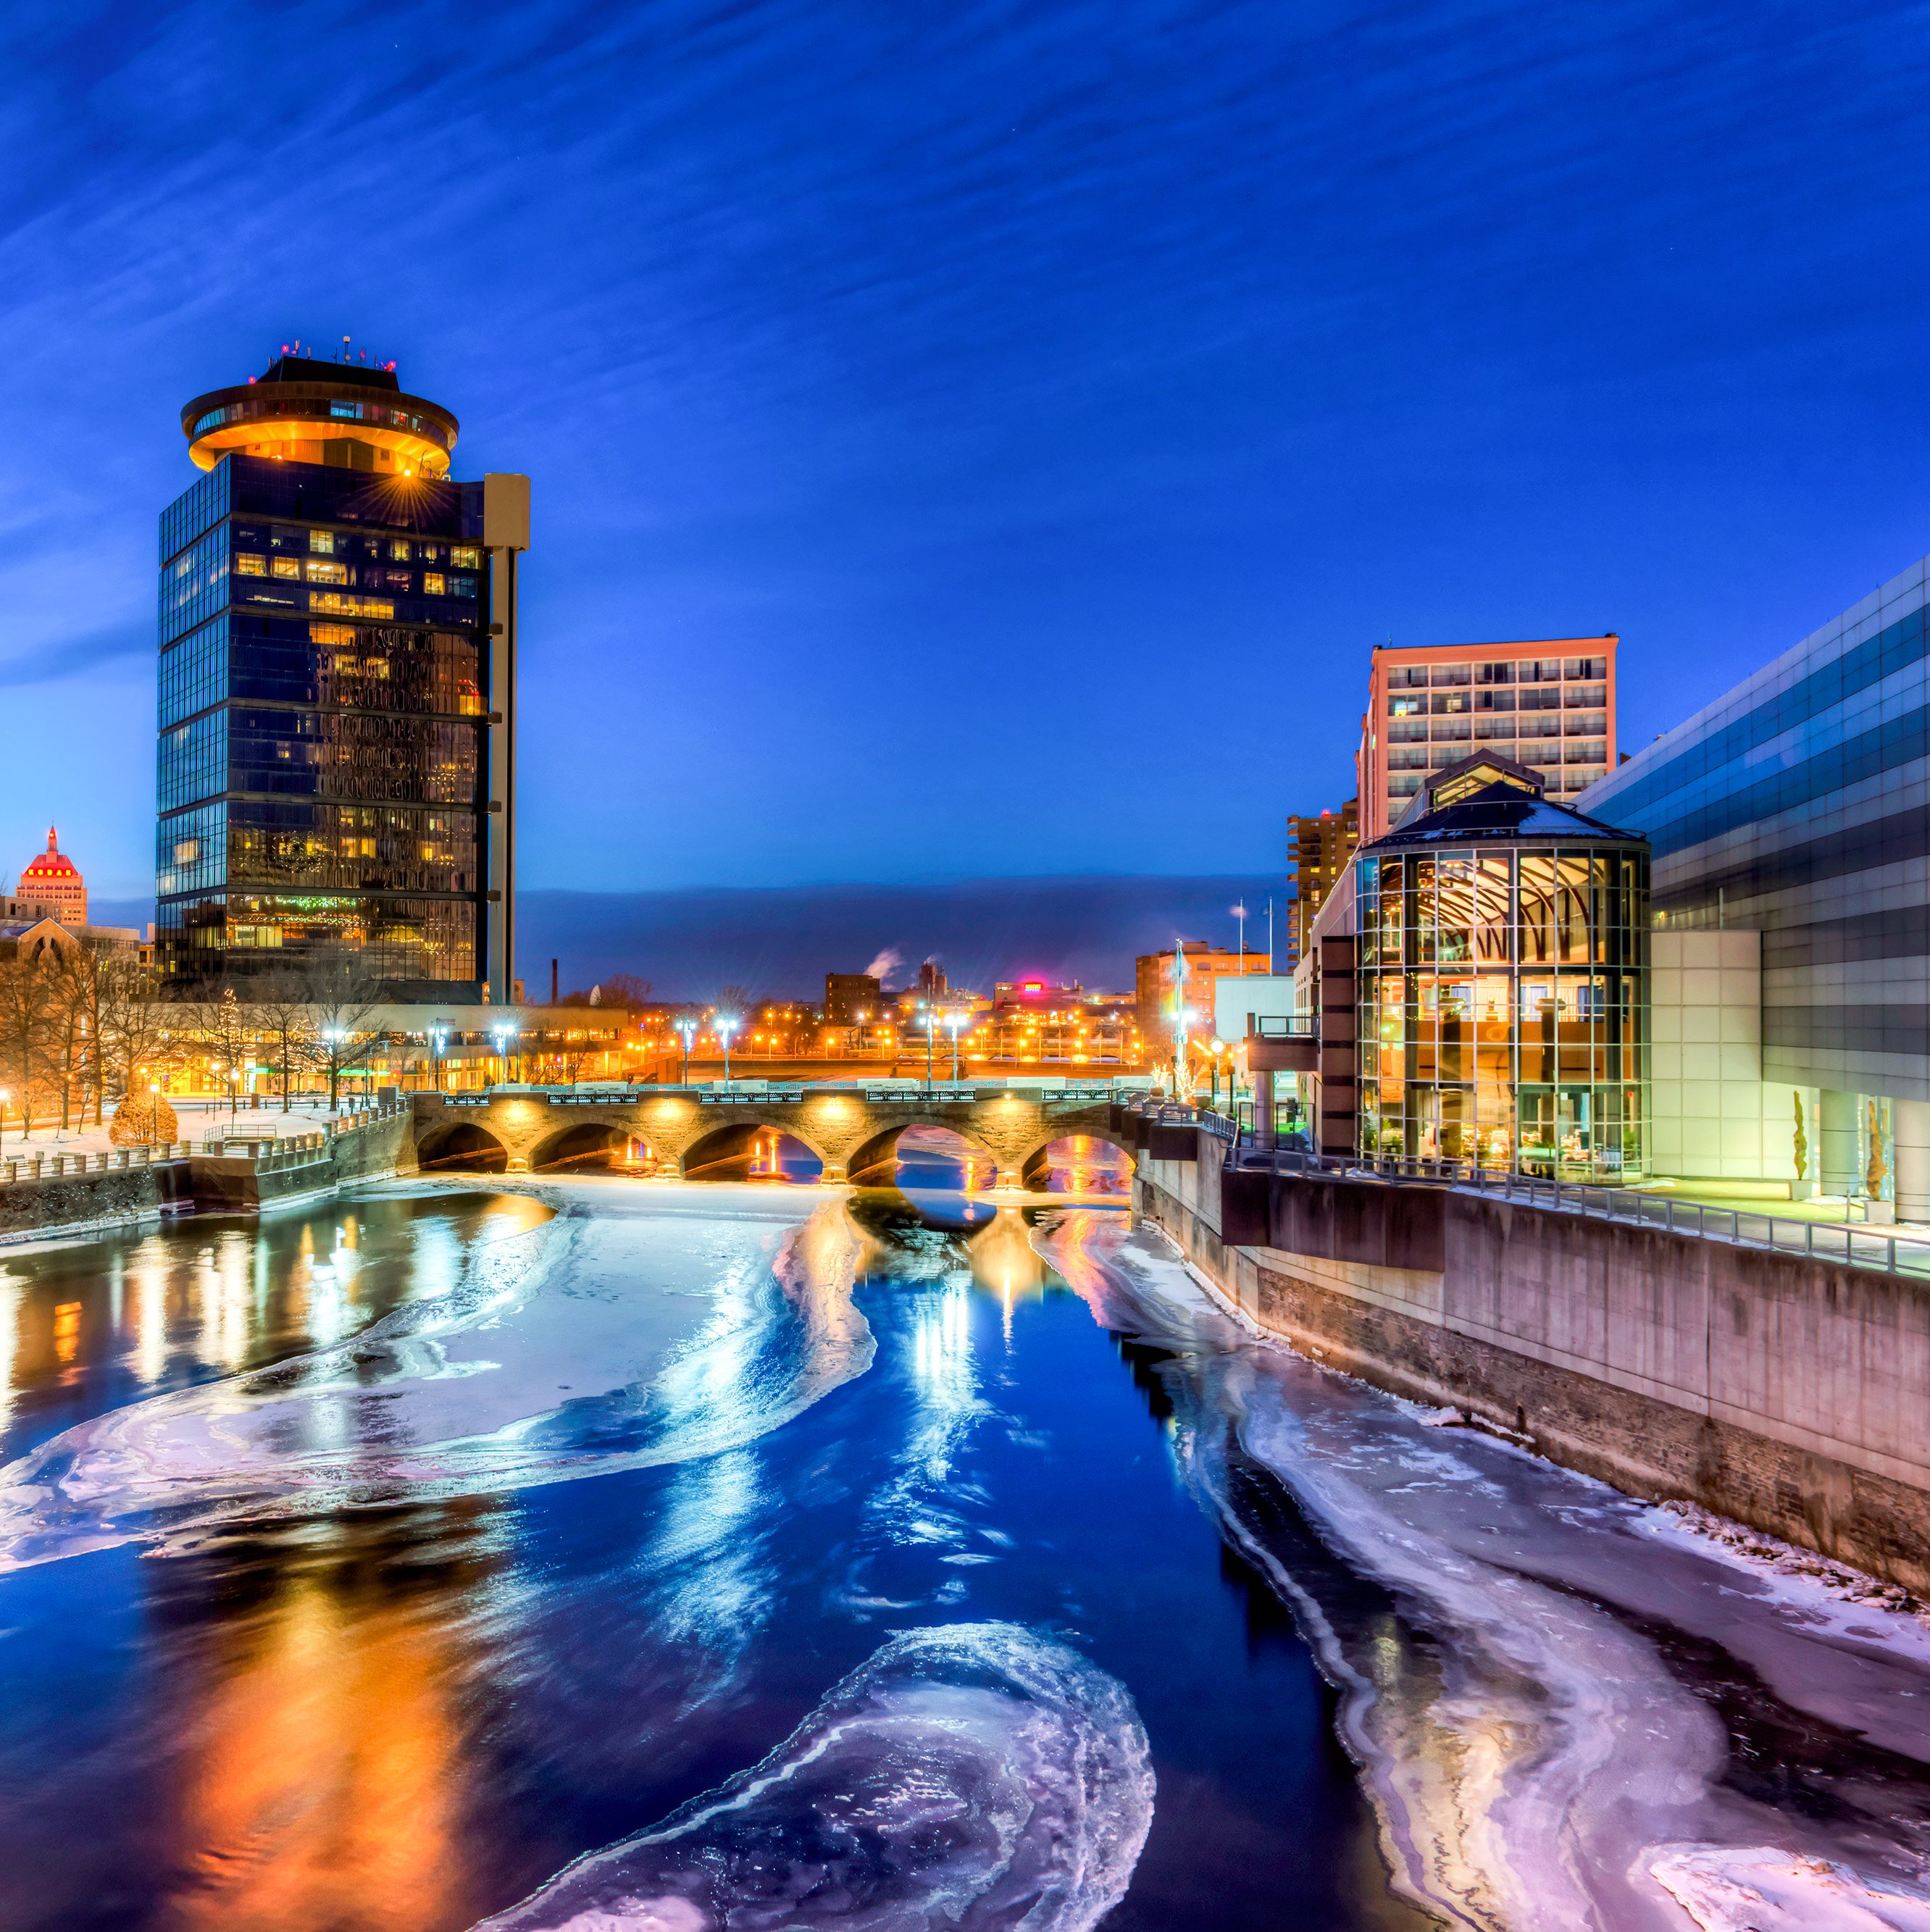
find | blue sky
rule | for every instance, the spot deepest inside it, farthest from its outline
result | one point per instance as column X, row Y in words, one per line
column 984, row 440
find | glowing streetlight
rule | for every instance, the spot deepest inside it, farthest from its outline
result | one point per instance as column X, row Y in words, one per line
column 686, row 1030
column 439, row 1042
column 503, row 1033
column 953, row 1020
column 726, row 1024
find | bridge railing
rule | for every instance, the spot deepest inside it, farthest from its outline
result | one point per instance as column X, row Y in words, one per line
column 791, row 1093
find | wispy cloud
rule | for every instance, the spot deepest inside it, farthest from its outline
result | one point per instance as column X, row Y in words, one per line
column 875, row 365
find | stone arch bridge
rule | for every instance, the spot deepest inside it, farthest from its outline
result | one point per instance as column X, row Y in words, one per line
column 853, row 1130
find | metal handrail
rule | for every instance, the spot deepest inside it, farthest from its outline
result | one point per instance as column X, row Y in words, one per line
column 1284, row 1026
column 1855, row 1245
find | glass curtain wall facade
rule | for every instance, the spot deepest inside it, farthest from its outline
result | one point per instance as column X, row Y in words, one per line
column 1502, row 1002
column 324, row 654
column 1794, row 805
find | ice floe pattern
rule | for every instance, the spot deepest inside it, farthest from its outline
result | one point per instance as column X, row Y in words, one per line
column 576, row 1347
column 978, row 1776
column 1568, row 1712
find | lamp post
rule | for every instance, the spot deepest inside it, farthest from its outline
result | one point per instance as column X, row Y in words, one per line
column 685, row 1029
column 954, row 1020
column 931, row 1028
column 503, row 1033
column 439, row 1041
column 726, row 1025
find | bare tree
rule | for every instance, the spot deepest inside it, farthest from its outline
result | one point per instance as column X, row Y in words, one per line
column 343, row 1003
column 227, row 1031
column 286, row 1028
column 626, row 990
column 25, row 1064
column 139, row 1032
column 73, row 983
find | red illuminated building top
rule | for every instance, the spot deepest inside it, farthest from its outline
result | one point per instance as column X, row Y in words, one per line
column 52, row 880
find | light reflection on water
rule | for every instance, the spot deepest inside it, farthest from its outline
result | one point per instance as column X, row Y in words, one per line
column 407, row 1718
column 411, row 1715
column 86, row 1327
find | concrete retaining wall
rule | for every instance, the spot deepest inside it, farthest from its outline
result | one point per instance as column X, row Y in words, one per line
column 1787, row 1392
column 79, row 1203
column 75, row 1205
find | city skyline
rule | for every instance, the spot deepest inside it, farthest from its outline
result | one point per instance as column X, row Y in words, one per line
column 1069, row 358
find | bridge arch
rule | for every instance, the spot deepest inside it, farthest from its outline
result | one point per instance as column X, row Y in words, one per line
column 461, row 1147
column 1035, row 1168
column 580, row 1145
column 734, row 1139
column 874, row 1162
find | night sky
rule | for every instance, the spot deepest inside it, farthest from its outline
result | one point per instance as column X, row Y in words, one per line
column 986, row 439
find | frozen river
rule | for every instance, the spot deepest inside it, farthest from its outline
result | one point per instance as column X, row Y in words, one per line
column 593, row 1554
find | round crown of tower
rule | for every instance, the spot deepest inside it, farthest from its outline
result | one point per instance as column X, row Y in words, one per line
column 349, row 415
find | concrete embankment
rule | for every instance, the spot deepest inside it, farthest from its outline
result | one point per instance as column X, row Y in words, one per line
column 1788, row 1392
column 52, row 1206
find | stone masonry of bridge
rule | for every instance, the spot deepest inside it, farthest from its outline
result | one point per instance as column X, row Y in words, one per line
column 852, row 1135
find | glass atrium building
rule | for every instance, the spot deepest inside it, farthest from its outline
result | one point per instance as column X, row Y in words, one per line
column 1501, row 981
column 334, row 631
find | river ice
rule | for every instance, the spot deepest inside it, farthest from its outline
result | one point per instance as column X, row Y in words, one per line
column 1569, row 1709
column 977, row 1777
column 1570, row 1712
column 643, row 1332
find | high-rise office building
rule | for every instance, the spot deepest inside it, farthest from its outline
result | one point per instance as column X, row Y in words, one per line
column 1318, row 848
column 337, row 691
column 1548, row 704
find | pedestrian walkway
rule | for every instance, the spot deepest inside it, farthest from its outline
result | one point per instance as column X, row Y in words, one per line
column 198, row 1120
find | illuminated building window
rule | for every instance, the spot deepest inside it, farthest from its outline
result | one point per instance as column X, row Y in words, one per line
column 322, row 542
column 432, row 583
column 462, row 586
column 332, row 603
column 398, row 549
column 327, row 573
column 247, row 564
column 465, row 556
column 332, row 633
column 286, row 566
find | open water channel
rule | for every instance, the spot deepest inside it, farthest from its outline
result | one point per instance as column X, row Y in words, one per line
column 597, row 1554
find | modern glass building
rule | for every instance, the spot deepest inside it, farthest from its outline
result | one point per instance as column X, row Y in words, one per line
column 336, row 692
column 1502, row 948
column 1796, row 806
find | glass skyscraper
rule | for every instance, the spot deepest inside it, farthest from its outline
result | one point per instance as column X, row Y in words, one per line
column 337, row 621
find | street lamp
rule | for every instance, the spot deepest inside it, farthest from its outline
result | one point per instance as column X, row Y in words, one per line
column 503, row 1033
column 931, row 1027
column 954, row 1020
column 725, row 1026
column 686, row 1030
column 439, row 1041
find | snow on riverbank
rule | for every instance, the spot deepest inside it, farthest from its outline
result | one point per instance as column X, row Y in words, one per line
column 1562, row 1703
